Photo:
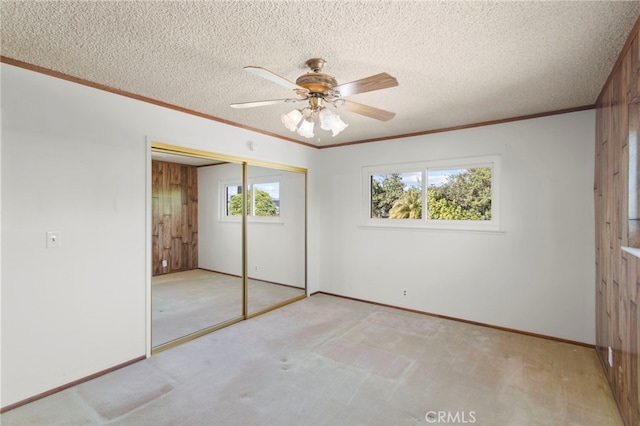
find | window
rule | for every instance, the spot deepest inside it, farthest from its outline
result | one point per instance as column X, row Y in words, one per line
column 396, row 195
column 263, row 199
column 457, row 194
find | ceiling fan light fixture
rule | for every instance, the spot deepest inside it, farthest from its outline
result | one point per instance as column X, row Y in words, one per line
column 291, row 119
column 331, row 121
column 306, row 128
column 303, row 121
column 317, row 88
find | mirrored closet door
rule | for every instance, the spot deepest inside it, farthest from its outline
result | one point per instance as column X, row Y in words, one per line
column 276, row 254
column 197, row 281
column 228, row 241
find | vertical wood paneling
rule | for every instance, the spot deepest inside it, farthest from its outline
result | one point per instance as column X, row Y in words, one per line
column 617, row 272
column 174, row 217
column 635, row 67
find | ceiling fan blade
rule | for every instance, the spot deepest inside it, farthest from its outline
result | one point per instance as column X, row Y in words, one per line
column 367, row 84
column 266, row 74
column 263, row 103
column 369, row 111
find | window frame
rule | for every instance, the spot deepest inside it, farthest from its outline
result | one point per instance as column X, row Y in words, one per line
column 423, row 167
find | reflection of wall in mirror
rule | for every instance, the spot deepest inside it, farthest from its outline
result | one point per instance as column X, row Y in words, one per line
column 278, row 247
column 219, row 242
column 275, row 245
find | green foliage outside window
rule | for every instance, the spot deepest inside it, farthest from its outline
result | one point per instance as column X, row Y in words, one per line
column 385, row 191
column 409, row 206
column 464, row 196
column 265, row 206
column 235, row 205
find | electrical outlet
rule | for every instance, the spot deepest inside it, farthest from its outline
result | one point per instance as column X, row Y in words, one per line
column 610, row 357
column 54, row 239
column 256, row 267
column 404, row 291
column 164, row 263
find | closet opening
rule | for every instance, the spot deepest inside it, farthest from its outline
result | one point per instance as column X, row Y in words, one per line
column 227, row 241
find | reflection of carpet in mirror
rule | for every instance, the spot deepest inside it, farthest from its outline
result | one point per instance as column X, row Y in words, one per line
column 189, row 301
column 634, row 233
column 264, row 294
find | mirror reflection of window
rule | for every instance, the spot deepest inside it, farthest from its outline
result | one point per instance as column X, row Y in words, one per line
column 266, row 199
column 263, row 199
column 232, row 194
column 276, row 255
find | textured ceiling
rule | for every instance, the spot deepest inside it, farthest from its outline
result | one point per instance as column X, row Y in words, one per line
column 457, row 63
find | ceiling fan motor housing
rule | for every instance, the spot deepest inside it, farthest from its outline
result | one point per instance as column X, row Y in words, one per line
column 317, row 82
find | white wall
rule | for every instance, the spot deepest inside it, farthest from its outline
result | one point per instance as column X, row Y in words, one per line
column 74, row 160
column 536, row 276
column 219, row 242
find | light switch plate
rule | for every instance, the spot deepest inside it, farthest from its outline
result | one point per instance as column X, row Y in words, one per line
column 54, row 239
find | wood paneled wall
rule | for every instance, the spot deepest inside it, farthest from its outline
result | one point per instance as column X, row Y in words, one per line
column 618, row 272
column 174, row 206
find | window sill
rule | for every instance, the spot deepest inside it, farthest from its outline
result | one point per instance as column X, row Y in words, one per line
column 252, row 221
column 632, row 250
column 410, row 227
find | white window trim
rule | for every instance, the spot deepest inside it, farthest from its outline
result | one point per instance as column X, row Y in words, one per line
column 632, row 250
column 492, row 225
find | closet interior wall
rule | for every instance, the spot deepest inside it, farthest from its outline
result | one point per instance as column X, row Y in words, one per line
column 174, row 208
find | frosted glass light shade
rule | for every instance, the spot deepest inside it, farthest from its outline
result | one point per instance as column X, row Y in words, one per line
column 338, row 126
column 326, row 117
column 303, row 121
column 291, row 119
column 306, row 128
column 331, row 121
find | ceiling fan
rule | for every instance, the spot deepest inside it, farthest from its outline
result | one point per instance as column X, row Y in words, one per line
column 319, row 89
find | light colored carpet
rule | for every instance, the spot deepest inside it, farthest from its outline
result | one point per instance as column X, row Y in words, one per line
column 332, row 361
column 190, row 301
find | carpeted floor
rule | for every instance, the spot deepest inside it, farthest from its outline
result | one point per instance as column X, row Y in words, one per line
column 189, row 301
column 331, row 361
